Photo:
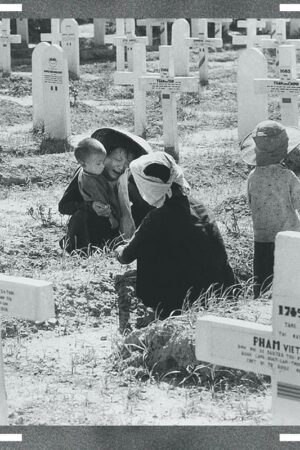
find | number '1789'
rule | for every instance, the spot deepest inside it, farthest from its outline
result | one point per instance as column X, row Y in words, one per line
column 289, row 311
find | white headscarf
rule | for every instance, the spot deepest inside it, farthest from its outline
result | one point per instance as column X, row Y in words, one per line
column 153, row 190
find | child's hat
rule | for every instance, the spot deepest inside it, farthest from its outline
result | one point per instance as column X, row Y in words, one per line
column 269, row 143
column 136, row 144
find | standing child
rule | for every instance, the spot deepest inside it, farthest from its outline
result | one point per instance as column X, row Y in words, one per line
column 273, row 193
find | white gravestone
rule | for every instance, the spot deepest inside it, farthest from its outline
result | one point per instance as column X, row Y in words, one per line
column 286, row 87
column 252, row 108
column 55, row 36
column 251, row 39
column 56, row 93
column 6, row 39
column 278, row 37
column 181, row 48
column 37, row 85
column 22, row 30
column 270, row 350
column 70, row 44
column 202, row 43
column 127, row 41
column 150, row 24
column 26, row 299
column 168, row 86
column 99, row 31
column 132, row 78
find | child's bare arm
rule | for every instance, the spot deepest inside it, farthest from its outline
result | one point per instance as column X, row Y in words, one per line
column 295, row 192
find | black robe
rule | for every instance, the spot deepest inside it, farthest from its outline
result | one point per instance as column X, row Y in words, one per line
column 178, row 247
column 87, row 230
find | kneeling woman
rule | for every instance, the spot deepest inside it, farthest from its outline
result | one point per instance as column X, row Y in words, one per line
column 178, row 247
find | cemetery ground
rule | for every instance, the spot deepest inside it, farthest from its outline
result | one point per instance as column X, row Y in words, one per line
column 76, row 369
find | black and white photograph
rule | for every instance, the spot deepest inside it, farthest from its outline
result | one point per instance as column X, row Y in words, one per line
column 150, row 225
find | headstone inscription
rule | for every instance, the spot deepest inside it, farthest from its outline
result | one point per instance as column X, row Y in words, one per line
column 252, row 107
column 181, row 48
column 22, row 30
column 24, row 298
column 286, row 87
column 6, row 39
column 139, row 95
column 99, row 31
column 168, row 86
column 37, row 85
column 70, row 44
column 202, row 43
column 56, row 93
column 270, row 350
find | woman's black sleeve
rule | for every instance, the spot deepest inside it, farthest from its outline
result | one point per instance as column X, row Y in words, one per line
column 72, row 200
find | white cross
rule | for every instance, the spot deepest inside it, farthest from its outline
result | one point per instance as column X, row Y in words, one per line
column 168, row 86
column 6, row 39
column 132, row 78
column 27, row 299
column 202, row 42
column 161, row 23
column 125, row 40
column 53, row 37
column 287, row 86
column 270, row 350
column 251, row 39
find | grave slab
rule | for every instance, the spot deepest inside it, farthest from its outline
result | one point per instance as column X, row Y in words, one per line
column 24, row 298
column 70, row 44
column 270, row 350
column 37, row 85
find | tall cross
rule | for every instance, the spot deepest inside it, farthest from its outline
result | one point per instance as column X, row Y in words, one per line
column 287, row 86
column 27, row 299
column 269, row 350
column 139, row 95
column 168, row 86
column 161, row 23
column 251, row 39
column 202, row 42
column 6, row 39
column 126, row 39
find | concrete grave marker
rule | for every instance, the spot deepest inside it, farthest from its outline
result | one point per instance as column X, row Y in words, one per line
column 270, row 350
column 24, row 298
column 168, row 86
column 150, row 24
column 56, row 93
column 202, row 43
column 37, row 85
column 251, row 39
column 278, row 37
column 99, row 31
column 70, row 44
column 127, row 41
column 181, row 48
column 252, row 108
column 6, row 39
column 287, row 86
column 132, row 78
column 22, row 30
column 55, row 36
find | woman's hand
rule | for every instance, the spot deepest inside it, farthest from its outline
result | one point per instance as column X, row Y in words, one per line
column 101, row 209
column 118, row 253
